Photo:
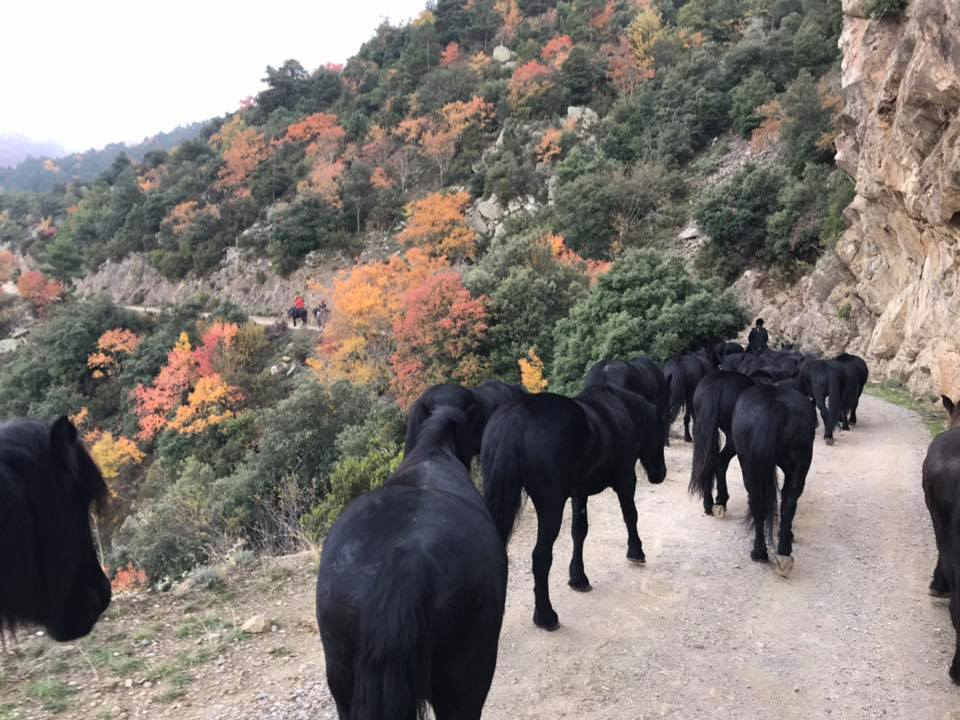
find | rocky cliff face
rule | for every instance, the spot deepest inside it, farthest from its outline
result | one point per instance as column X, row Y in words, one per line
column 891, row 290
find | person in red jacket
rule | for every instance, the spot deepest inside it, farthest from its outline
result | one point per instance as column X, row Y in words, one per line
column 298, row 311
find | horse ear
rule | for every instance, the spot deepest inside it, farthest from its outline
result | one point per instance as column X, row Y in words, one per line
column 63, row 434
column 947, row 404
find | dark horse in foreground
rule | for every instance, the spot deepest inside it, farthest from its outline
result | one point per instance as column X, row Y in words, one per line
column 773, row 426
column 941, row 489
column 557, row 447
column 50, row 574
column 296, row 313
column 411, row 588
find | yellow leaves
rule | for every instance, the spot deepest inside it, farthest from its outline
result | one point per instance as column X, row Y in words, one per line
column 380, row 180
column 182, row 217
column 549, row 146
column 531, row 372
column 324, row 181
column 438, row 224
column 512, row 17
column 424, row 18
column 643, row 33
column 112, row 455
column 479, row 62
column 209, row 403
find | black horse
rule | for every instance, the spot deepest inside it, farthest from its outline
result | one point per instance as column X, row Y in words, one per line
column 722, row 349
column 556, row 448
column 773, row 426
column 479, row 403
column 642, row 376
column 823, row 380
column 682, row 374
column 713, row 404
column 941, row 489
column 857, row 376
column 296, row 313
column 411, row 587
column 50, row 574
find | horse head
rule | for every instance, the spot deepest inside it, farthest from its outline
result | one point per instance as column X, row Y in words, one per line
column 953, row 412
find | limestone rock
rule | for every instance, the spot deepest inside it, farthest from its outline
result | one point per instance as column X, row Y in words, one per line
column 255, row 625
column 584, row 116
column 502, row 54
column 891, row 289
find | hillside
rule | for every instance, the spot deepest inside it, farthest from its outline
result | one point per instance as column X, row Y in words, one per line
column 510, row 190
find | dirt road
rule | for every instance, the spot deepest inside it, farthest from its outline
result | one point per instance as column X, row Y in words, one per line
column 699, row 632
column 703, row 632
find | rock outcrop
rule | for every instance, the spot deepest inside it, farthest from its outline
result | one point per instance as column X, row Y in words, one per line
column 891, row 290
column 244, row 279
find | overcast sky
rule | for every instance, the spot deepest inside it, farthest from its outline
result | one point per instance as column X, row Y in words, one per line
column 87, row 73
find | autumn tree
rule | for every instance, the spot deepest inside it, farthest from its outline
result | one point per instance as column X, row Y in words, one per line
column 358, row 338
column 438, row 224
column 528, row 82
column 156, row 402
column 210, row 402
column 39, row 290
column 243, row 149
column 556, row 51
column 440, row 136
column 112, row 347
column 437, row 335
column 450, row 54
column 113, row 454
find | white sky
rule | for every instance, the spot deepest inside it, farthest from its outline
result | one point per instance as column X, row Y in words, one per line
column 84, row 74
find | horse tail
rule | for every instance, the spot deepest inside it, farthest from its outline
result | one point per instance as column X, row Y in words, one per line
column 706, row 444
column 837, row 400
column 761, row 464
column 502, row 484
column 393, row 661
column 677, row 394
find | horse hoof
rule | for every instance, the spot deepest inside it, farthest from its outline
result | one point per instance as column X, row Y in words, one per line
column 583, row 586
column 638, row 558
column 550, row 624
column 939, row 593
column 828, row 441
column 719, row 511
column 759, row 556
column 784, row 565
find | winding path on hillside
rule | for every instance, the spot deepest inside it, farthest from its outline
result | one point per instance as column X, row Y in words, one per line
column 258, row 319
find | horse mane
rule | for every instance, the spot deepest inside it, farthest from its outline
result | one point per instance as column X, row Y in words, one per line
column 439, row 431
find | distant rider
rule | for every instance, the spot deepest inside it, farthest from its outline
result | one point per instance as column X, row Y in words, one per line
column 758, row 340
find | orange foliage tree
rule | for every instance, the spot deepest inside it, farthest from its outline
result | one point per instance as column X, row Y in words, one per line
column 243, row 150
column 154, row 403
column 112, row 454
column 437, row 336
column 187, row 395
column 438, row 224
column 111, row 347
column 529, row 81
column 39, row 290
column 358, row 337
column 450, row 54
column 210, row 402
column 440, row 136
column 531, row 372
column 557, row 50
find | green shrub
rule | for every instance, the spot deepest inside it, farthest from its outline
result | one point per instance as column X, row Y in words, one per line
column 645, row 305
column 734, row 215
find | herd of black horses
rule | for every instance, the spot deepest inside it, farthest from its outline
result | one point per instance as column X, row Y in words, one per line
column 412, row 582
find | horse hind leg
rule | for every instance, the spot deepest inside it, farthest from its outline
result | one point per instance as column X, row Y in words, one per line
column 687, row 416
column 578, row 527
column 723, row 462
column 548, row 527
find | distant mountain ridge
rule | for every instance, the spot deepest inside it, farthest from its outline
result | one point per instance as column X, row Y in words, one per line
column 15, row 148
column 26, row 165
